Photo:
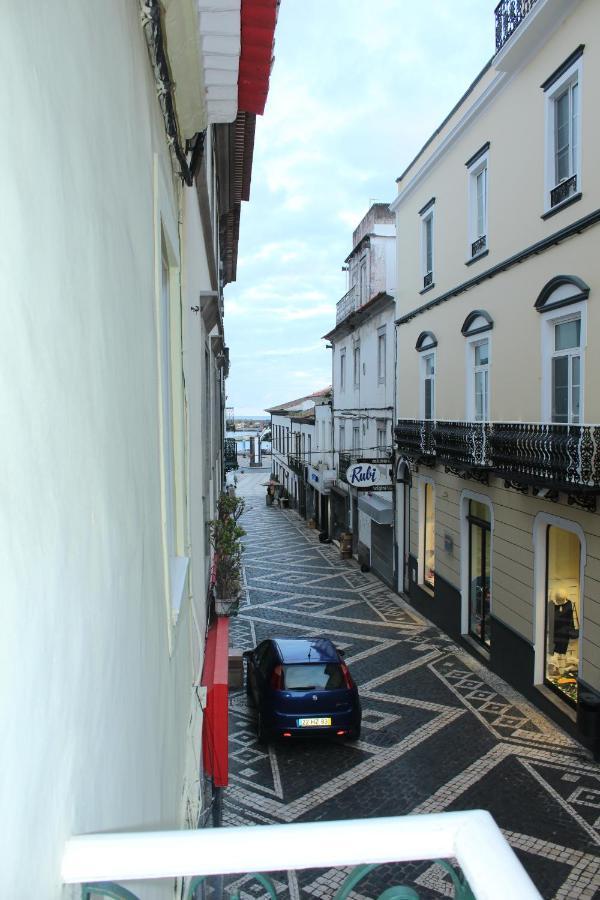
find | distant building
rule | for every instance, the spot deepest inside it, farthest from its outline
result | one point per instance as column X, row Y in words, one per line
column 301, row 453
column 363, row 378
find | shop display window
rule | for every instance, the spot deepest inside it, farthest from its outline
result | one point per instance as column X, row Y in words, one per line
column 563, row 602
column 480, row 583
column 429, row 535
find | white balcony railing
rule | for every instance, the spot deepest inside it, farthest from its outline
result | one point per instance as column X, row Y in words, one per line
column 472, row 838
column 346, row 305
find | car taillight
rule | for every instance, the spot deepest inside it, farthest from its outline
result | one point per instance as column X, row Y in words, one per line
column 347, row 676
column 277, row 678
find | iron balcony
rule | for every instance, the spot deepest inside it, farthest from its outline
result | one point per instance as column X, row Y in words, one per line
column 509, row 15
column 550, row 456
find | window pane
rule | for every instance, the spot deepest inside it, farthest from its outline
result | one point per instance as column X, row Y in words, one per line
column 429, row 367
column 479, row 396
column 562, row 136
column 563, row 611
column 567, row 335
column 428, row 245
column 480, row 582
column 481, row 354
column 480, row 510
column 560, row 389
column 428, row 398
column 575, row 388
column 574, row 117
column 313, row 676
column 429, row 536
column 481, row 203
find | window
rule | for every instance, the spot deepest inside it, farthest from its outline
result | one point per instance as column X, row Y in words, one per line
column 427, row 243
column 428, row 534
column 356, row 359
column 428, row 386
column 566, row 371
column 343, row 369
column 480, row 585
column 477, row 168
column 481, row 407
column 363, row 281
column 563, row 612
column 356, row 437
column 309, row 448
column 381, row 355
column 563, row 132
column 381, row 430
column 342, row 436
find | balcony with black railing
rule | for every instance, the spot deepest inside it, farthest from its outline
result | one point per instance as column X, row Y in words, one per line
column 552, row 456
column 296, row 463
column 563, row 191
column 509, row 15
column 479, row 245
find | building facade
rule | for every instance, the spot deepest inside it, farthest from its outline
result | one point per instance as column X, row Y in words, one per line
column 301, row 453
column 498, row 531
column 113, row 365
column 363, row 377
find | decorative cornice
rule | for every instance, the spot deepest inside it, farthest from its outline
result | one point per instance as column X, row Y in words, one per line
column 539, row 247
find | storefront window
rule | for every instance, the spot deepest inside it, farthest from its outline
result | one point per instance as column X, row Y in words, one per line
column 480, row 539
column 429, row 536
column 562, row 612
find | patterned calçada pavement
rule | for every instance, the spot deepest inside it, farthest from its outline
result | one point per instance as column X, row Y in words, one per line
column 440, row 731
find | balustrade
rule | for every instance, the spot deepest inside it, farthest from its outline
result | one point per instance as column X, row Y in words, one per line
column 509, row 15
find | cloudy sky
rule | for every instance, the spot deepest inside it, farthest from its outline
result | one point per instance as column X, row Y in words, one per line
column 356, row 90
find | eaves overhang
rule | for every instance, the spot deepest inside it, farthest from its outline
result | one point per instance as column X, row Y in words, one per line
column 363, row 314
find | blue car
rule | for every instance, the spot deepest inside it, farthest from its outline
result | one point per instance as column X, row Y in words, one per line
column 300, row 687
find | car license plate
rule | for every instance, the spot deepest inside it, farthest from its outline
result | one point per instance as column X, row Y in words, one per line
column 312, row 723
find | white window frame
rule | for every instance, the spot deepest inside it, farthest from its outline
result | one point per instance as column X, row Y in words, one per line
column 471, row 342
column 381, row 354
column 549, row 320
column 381, row 435
column 363, row 277
column 356, row 437
column 342, row 435
column 355, row 366
column 423, row 357
column 478, row 166
column 573, row 75
column 540, row 527
column 343, row 369
column 426, row 216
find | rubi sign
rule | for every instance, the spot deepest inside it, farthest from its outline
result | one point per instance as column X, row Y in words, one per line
column 369, row 475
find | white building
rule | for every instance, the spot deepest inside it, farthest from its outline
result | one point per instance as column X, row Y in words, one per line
column 123, row 166
column 363, row 361
column 301, row 453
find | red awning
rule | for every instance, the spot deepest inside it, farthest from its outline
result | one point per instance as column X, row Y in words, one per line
column 258, row 19
column 215, row 727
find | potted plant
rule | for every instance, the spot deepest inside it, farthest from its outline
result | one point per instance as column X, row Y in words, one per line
column 226, row 540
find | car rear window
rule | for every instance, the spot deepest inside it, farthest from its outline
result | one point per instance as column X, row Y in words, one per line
column 313, row 676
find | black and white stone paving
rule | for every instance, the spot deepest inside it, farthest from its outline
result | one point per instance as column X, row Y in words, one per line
column 440, row 731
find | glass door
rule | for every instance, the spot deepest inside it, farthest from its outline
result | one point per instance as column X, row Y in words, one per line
column 563, row 593
column 480, row 541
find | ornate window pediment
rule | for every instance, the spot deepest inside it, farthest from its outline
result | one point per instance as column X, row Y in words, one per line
column 477, row 322
column 426, row 341
column 562, row 290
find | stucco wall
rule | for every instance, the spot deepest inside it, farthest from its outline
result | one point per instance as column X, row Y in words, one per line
column 94, row 708
column 513, row 584
column 513, row 123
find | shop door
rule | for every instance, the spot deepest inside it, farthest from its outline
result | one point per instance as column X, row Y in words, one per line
column 340, row 516
column 354, row 526
column 382, row 552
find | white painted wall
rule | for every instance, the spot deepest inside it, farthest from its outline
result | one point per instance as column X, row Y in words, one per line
column 95, row 708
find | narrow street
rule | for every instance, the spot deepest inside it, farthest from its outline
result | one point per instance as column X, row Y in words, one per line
column 440, row 732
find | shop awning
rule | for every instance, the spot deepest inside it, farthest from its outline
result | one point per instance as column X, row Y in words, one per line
column 215, row 727
column 378, row 508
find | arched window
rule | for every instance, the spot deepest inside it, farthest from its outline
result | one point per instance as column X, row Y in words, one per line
column 426, row 344
column 562, row 304
column 476, row 328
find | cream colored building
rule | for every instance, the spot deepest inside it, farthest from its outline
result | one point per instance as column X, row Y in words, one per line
column 127, row 151
column 498, row 454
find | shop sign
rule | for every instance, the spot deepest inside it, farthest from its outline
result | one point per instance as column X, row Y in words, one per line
column 370, row 475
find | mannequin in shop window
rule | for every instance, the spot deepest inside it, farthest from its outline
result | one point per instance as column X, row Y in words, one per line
column 563, row 631
column 562, row 623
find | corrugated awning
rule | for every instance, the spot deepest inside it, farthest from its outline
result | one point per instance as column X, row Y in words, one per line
column 215, row 727
column 378, row 508
column 258, row 20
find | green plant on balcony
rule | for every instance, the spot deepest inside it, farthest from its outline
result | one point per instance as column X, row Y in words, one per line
column 226, row 540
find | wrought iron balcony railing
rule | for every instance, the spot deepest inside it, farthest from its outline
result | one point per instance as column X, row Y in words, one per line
column 346, row 305
column 427, row 280
column 509, row 15
column 296, row 464
column 345, row 460
column 560, row 457
column 479, row 245
column 489, row 867
column 230, row 454
column 563, row 191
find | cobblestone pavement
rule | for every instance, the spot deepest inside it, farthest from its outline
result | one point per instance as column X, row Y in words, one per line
column 440, row 731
